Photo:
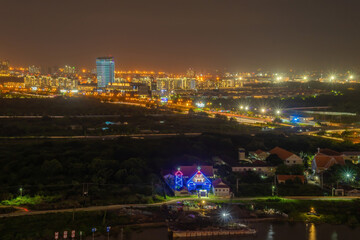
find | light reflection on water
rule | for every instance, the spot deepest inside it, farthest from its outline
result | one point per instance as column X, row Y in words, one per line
column 269, row 231
column 312, row 232
column 334, row 236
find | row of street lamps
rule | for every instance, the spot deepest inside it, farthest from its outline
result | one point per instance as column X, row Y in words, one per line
column 262, row 110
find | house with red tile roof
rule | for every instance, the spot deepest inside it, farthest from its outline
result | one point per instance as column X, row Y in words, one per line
column 289, row 158
column 326, row 158
column 328, row 152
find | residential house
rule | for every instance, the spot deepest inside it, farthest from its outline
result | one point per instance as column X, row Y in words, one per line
column 220, row 189
column 326, row 158
column 259, row 167
column 289, row 158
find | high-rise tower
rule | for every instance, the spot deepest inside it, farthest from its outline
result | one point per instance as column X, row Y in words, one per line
column 105, row 67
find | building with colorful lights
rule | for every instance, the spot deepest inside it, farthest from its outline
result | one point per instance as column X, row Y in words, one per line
column 191, row 179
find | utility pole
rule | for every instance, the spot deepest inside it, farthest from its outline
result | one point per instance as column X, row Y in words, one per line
column 322, row 180
column 73, row 215
column 108, row 232
column 237, row 186
column 273, row 187
column 122, row 234
column 93, row 233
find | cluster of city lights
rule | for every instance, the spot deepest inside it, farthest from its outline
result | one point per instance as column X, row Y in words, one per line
column 262, row 110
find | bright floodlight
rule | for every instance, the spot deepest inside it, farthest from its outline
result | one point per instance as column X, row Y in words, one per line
column 351, row 76
column 225, row 214
column 241, row 107
column 246, row 108
column 263, row 110
column 348, row 175
column 200, row 104
column 332, row 77
column 278, row 112
column 305, row 77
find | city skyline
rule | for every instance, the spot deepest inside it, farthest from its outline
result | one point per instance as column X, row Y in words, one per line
column 171, row 36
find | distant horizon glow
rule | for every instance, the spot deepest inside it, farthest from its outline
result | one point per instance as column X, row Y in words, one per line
column 171, row 36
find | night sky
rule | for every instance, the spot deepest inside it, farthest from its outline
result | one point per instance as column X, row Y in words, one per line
column 173, row 35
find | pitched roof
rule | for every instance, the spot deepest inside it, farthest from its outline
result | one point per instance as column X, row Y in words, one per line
column 329, row 152
column 325, row 162
column 259, row 151
column 281, row 153
column 189, row 171
column 290, row 177
column 218, row 183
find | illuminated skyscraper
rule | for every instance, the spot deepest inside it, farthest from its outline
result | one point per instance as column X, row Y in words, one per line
column 105, row 67
column 4, row 66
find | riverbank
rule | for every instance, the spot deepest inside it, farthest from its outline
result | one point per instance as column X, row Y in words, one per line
column 324, row 211
column 136, row 217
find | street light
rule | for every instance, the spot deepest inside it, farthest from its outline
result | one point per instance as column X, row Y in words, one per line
column 246, row 108
column 263, row 110
column 332, row 78
column 21, row 190
column 272, row 190
column 278, row 112
column 225, row 216
column 349, row 176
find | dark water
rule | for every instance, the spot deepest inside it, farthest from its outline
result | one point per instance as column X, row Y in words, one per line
column 272, row 231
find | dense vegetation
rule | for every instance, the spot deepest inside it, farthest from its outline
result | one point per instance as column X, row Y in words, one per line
column 87, row 117
column 124, row 170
